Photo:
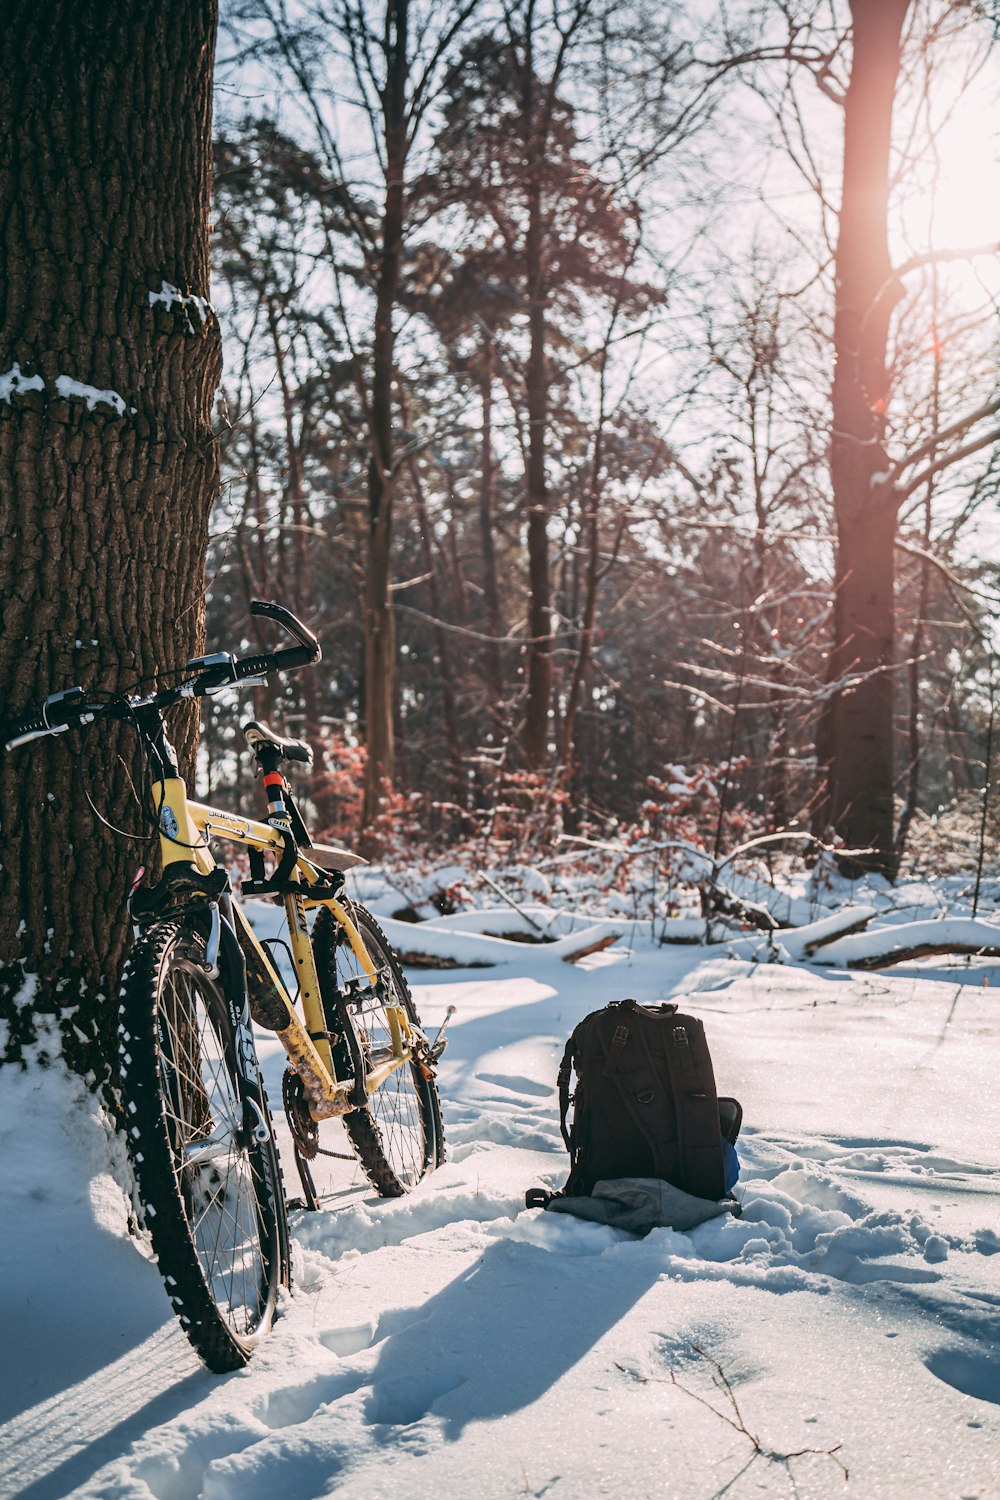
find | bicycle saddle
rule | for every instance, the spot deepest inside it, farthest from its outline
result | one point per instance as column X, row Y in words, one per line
column 259, row 734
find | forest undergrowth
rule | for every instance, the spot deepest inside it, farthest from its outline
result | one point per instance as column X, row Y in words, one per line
column 693, row 854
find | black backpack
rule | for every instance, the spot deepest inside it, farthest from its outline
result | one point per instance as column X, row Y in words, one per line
column 645, row 1103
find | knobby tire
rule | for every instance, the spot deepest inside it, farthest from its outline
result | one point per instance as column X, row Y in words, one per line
column 398, row 1136
column 210, row 1190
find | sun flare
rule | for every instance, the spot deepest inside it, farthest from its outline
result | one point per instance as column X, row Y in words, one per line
column 955, row 202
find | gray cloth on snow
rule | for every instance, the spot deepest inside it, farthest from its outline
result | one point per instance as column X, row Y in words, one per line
column 640, row 1204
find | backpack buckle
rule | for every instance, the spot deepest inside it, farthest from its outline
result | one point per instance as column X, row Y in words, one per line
column 618, row 1043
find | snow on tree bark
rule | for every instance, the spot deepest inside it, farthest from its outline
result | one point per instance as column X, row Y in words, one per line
column 104, row 199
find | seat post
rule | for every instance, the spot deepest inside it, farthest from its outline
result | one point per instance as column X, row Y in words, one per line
column 269, row 759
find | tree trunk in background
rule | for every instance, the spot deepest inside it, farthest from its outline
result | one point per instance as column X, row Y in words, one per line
column 487, row 542
column 448, row 707
column 585, row 646
column 297, row 512
column 535, row 740
column 379, row 628
column 857, row 737
column 104, row 493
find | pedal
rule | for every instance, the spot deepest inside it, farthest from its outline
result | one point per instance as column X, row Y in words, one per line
column 440, row 1042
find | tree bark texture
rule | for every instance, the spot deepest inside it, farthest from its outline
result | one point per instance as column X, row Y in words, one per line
column 108, row 463
column 857, row 737
column 585, row 645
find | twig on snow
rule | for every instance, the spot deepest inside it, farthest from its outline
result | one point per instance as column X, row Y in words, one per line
column 734, row 1417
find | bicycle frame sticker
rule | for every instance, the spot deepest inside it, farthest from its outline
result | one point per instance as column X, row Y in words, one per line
column 245, row 1049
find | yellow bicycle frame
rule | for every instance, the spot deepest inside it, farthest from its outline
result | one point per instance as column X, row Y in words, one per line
column 185, row 831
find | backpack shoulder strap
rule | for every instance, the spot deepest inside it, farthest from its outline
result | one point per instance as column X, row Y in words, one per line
column 692, row 1079
column 565, row 1070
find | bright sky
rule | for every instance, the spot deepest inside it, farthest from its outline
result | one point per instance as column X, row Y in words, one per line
column 957, row 206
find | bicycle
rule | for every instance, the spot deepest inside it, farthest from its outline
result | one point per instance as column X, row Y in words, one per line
column 196, row 1116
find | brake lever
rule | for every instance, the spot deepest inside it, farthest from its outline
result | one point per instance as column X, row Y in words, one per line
column 65, row 701
column 289, row 622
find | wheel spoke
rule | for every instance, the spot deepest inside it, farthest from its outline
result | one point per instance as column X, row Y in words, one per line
column 395, row 1133
column 212, row 1169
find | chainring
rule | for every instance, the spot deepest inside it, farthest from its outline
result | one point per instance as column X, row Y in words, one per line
column 304, row 1129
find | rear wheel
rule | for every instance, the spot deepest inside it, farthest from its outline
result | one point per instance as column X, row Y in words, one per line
column 398, row 1135
column 202, row 1147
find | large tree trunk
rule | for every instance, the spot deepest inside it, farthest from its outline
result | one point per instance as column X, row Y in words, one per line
column 379, row 626
column 857, row 739
column 106, row 484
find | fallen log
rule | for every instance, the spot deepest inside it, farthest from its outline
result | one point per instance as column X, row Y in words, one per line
column 858, row 925
column 427, row 945
column 802, row 942
column 922, row 950
column 597, row 946
column 881, row 947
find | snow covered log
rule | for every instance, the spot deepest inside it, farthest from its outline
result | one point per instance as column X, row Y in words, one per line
column 802, row 942
column 532, row 921
column 884, row 946
column 433, row 945
column 683, row 930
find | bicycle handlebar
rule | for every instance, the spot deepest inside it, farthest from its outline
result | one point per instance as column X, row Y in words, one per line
column 71, row 709
column 59, row 712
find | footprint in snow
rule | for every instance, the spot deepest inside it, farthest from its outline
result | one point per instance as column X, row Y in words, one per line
column 860, row 1154
column 295, row 1404
column 502, row 1131
column 348, row 1340
column 517, row 1085
column 407, row 1399
column 969, row 1371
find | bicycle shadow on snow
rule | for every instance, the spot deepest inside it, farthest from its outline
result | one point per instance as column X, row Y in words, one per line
column 50, row 1449
column 93, row 1354
column 506, row 1330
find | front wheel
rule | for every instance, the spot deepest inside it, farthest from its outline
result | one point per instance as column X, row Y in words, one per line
column 397, row 1135
column 202, row 1146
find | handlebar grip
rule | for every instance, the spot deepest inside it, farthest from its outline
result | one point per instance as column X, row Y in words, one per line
column 285, row 660
column 32, row 728
column 254, row 666
column 295, row 656
column 59, row 712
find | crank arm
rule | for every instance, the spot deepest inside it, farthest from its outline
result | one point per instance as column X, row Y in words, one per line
column 440, row 1042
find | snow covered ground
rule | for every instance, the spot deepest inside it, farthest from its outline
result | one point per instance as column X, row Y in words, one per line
column 455, row 1344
